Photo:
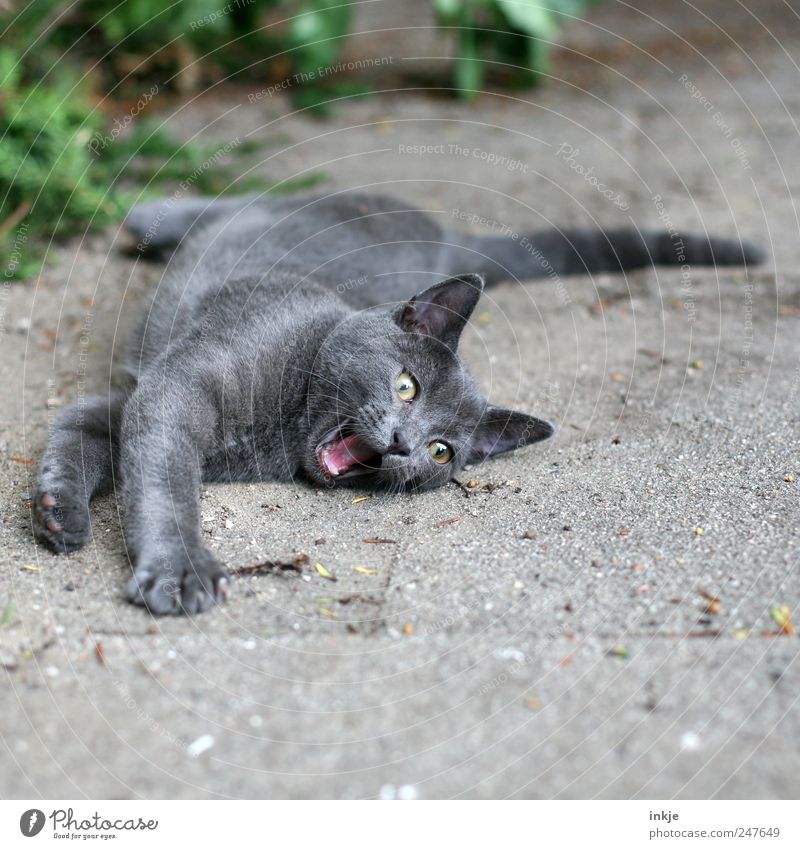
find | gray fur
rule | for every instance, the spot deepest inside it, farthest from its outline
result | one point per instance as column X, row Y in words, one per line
column 276, row 322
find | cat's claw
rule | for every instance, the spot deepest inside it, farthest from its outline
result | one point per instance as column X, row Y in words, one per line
column 223, row 589
column 60, row 520
column 195, row 586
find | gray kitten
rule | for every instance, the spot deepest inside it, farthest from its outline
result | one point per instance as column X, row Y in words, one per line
column 305, row 336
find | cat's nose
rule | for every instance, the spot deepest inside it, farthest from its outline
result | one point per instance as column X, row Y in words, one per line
column 398, row 445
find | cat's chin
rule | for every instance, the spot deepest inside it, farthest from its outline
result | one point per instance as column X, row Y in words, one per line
column 343, row 455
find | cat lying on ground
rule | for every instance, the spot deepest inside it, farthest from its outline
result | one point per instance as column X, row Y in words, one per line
column 303, row 336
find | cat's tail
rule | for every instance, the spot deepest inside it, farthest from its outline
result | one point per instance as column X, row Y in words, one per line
column 556, row 252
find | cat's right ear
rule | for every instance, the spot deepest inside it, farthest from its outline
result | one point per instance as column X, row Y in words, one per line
column 443, row 310
column 501, row 430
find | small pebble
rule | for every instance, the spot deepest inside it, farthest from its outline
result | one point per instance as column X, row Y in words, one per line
column 690, row 741
column 200, row 745
column 406, row 792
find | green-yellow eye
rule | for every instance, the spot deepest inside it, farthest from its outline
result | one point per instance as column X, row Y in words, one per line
column 441, row 452
column 406, row 386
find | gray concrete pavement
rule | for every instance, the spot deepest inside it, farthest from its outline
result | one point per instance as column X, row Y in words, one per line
column 555, row 640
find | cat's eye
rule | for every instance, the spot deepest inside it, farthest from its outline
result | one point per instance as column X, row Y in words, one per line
column 441, row 452
column 406, row 387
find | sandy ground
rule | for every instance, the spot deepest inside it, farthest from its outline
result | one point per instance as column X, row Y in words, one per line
column 555, row 640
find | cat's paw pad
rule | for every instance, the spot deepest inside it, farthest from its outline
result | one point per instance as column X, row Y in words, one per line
column 61, row 519
column 190, row 586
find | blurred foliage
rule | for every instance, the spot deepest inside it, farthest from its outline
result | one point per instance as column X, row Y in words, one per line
column 63, row 170
column 516, row 34
column 188, row 43
column 64, row 167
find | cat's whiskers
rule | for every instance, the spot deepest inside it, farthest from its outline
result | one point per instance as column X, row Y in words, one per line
column 318, row 376
column 337, row 398
column 342, row 413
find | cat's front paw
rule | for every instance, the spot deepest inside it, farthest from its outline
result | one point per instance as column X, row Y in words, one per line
column 183, row 584
column 61, row 518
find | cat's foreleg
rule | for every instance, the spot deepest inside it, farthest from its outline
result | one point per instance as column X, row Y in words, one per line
column 168, row 425
column 77, row 465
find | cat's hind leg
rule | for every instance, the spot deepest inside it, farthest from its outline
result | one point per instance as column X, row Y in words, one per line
column 77, row 465
column 161, row 225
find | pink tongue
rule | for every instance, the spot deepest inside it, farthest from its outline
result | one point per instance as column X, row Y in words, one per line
column 346, row 453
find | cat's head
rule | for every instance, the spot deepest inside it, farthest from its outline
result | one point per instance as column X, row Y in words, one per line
column 391, row 404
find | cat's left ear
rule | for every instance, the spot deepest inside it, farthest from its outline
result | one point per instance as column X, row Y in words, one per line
column 443, row 310
column 502, row 430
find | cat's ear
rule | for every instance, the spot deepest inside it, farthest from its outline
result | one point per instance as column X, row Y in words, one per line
column 443, row 310
column 502, row 430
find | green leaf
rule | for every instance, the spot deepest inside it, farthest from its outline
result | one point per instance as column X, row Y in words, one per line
column 531, row 17
column 317, row 35
column 448, row 10
column 469, row 67
column 323, row 572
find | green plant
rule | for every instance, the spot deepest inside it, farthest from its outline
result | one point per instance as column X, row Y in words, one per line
column 317, row 34
column 516, row 33
column 48, row 179
column 185, row 43
column 63, row 170
column 315, row 39
column 189, row 43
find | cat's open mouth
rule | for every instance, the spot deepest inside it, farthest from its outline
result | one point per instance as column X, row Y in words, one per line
column 342, row 453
